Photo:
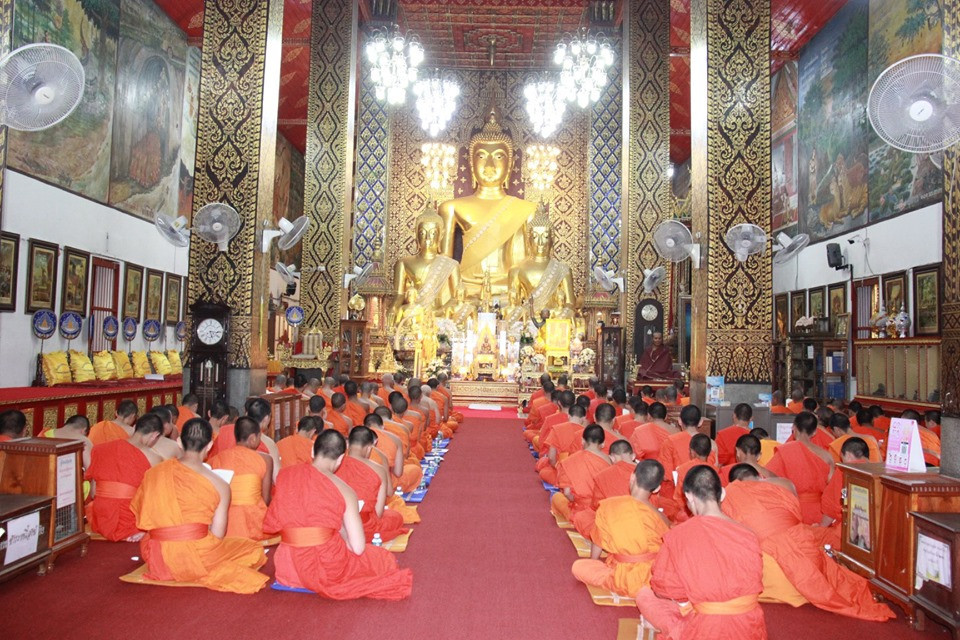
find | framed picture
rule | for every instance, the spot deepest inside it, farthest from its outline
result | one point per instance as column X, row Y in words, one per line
column 153, row 304
column 895, row 292
column 926, row 301
column 836, row 300
column 76, row 275
column 841, row 325
column 817, row 308
column 781, row 313
column 798, row 307
column 132, row 292
column 171, row 303
column 9, row 266
column 41, row 276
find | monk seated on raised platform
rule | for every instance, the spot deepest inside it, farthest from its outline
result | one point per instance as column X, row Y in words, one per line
column 13, row 425
column 120, row 428
column 655, row 362
column 371, row 482
column 297, row 448
column 183, row 507
column 251, row 482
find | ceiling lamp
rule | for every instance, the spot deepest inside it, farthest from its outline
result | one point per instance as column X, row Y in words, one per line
column 545, row 106
column 541, row 165
column 438, row 160
column 583, row 60
column 436, row 102
column 394, row 58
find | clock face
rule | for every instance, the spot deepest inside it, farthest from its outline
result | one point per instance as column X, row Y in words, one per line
column 649, row 312
column 210, row 331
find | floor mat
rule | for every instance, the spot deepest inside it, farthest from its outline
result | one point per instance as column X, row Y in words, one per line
column 580, row 543
column 606, row 598
column 137, row 577
column 398, row 544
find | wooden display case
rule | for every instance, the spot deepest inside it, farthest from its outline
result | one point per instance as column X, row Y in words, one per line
column 819, row 366
column 354, row 351
column 936, row 592
column 899, row 373
column 610, row 356
column 862, row 486
column 12, row 509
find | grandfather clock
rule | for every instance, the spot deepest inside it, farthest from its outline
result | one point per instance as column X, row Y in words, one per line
column 209, row 352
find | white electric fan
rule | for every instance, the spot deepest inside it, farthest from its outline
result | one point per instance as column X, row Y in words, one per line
column 290, row 233
column 173, row 230
column 746, row 240
column 40, row 85
column 606, row 280
column 217, row 223
column 674, row 242
column 652, row 278
column 288, row 272
column 786, row 247
column 357, row 276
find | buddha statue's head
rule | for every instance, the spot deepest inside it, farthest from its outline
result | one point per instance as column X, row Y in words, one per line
column 491, row 154
column 539, row 234
column 429, row 233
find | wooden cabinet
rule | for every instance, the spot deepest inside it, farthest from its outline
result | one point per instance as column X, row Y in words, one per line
column 818, row 366
column 610, row 356
column 936, row 593
column 859, row 527
column 23, row 514
column 354, row 348
column 899, row 373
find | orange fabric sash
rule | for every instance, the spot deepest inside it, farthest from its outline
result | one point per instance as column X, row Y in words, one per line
column 245, row 489
column 306, row 536
column 115, row 490
column 733, row 607
column 180, row 532
column 636, row 557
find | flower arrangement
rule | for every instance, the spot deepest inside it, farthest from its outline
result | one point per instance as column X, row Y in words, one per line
column 527, row 353
column 435, row 368
column 539, row 359
column 587, row 358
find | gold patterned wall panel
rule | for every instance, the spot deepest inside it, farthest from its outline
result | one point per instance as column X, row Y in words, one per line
column 950, row 292
column 6, row 35
column 736, row 172
column 646, row 187
column 328, row 161
column 92, row 412
column 236, row 138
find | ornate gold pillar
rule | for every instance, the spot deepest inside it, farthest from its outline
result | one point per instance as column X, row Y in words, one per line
column 646, row 114
column 328, row 161
column 236, row 147
column 730, row 140
column 6, row 43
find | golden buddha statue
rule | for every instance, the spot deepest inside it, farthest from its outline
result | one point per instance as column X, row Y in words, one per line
column 426, row 279
column 546, row 282
column 491, row 221
column 461, row 309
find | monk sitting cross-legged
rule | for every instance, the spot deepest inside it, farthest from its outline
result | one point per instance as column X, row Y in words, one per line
column 710, row 562
column 322, row 544
column 854, row 451
column 187, row 410
column 75, row 428
column 116, row 471
column 297, row 448
column 564, row 440
column 611, row 482
column 167, row 446
column 13, row 425
column 576, row 475
column 747, row 451
column 675, row 450
column 251, row 482
column 727, row 438
column 259, row 410
column 630, row 529
column 338, row 416
column 120, row 428
column 929, row 441
column 318, row 409
column 538, row 410
column 700, row 449
column 183, row 507
column 638, row 415
column 353, row 408
column 565, row 400
column 370, row 481
column 404, row 474
column 605, row 414
column 648, row 437
column 840, row 425
column 804, row 464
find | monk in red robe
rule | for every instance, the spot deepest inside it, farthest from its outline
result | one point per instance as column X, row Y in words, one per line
column 840, row 426
column 323, row 546
column 187, row 410
column 116, row 471
column 747, row 451
column 727, row 438
column 773, row 513
column 675, row 450
column 406, row 475
column 710, row 562
column 611, row 482
column 251, row 483
column 630, row 529
column 563, row 441
column 183, row 507
column 338, row 416
column 854, row 451
column 297, row 448
column 565, row 400
column 804, row 464
column 356, row 411
column 605, row 415
column 648, row 437
column 120, row 428
column 576, row 475
column 370, row 481
column 700, row 450
column 656, row 363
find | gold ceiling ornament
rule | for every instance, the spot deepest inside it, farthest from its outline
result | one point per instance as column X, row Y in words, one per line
column 542, row 166
column 439, row 161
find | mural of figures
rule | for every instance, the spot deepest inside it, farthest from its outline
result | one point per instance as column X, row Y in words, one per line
column 75, row 154
column 900, row 181
column 833, row 126
column 287, row 195
column 145, row 166
column 188, row 129
column 783, row 152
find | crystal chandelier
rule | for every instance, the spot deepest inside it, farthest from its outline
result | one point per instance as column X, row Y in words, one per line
column 541, row 165
column 394, row 58
column 436, row 102
column 438, row 160
column 545, row 106
column 583, row 60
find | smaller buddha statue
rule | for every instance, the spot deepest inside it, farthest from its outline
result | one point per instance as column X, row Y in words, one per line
column 461, row 309
column 431, row 278
column 486, row 293
column 514, row 311
column 546, row 281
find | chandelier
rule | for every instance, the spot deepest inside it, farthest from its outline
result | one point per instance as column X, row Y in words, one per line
column 583, row 60
column 436, row 102
column 394, row 58
column 438, row 160
column 545, row 106
column 541, row 165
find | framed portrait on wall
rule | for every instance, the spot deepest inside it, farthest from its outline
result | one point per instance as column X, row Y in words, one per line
column 76, row 275
column 798, row 308
column 781, row 312
column 41, row 276
column 153, row 298
column 926, row 301
column 9, row 266
column 817, row 308
column 841, row 325
column 895, row 292
column 836, row 300
column 132, row 291
column 171, row 303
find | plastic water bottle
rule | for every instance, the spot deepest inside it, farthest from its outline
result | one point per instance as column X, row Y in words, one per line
column 398, row 492
column 377, row 541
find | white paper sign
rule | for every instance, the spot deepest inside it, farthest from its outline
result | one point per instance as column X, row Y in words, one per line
column 66, row 480
column 784, row 431
column 23, row 535
column 933, row 561
column 904, row 452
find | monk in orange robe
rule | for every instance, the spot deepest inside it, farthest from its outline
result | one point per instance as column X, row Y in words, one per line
column 700, row 450
column 648, row 437
column 773, row 513
column 804, row 464
column 840, row 425
column 675, row 450
column 322, row 544
column 74, row 428
column 710, row 562
column 406, row 475
column 534, row 417
column 297, row 448
column 576, row 475
column 444, row 397
column 929, row 441
column 251, row 482
column 630, row 529
column 610, row 482
column 795, row 405
column 183, row 507
column 565, row 400
column 352, row 408
column 727, row 438
column 120, row 428
column 13, row 425
column 605, row 415
column 187, row 410
column 116, row 471
column 407, row 425
column 539, row 393
column 370, row 481
column 338, row 416
column 600, row 393
column 563, row 441
column 854, row 451
column 747, row 451
column 259, row 410
column 431, row 411
column 776, row 404
column 931, row 420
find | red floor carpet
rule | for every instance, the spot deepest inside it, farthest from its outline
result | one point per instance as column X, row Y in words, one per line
column 488, row 560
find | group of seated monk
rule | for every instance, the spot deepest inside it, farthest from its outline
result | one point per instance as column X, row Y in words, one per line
column 700, row 530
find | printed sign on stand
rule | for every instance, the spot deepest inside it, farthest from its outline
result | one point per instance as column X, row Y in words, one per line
column 904, row 452
column 784, row 431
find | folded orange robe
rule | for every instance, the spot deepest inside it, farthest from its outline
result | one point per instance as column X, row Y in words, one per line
column 227, row 439
column 835, row 447
column 247, row 507
column 184, row 414
column 715, row 565
column 577, row 473
column 808, row 473
column 117, row 467
column 727, row 443
column 567, row 438
column 175, row 506
column 412, row 472
column 307, row 511
column 105, row 431
column 366, row 483
column 295, row 449
column 773, row 513
column 647, row 439
column 612, row 482
column 630, row 532
column 336, row 418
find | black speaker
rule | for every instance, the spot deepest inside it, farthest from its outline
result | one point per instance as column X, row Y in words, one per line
column 834, row 257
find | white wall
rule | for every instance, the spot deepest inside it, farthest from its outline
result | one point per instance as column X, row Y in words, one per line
column 37, row 210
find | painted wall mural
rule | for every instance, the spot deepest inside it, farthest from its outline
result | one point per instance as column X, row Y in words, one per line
column 287, row 195
column 783, row 149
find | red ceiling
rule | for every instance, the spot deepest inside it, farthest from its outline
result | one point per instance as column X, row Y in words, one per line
column 454, row 34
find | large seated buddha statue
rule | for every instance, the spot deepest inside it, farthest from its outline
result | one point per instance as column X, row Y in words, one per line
column 546, row 282
column 491, row 221
column 426, row 280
